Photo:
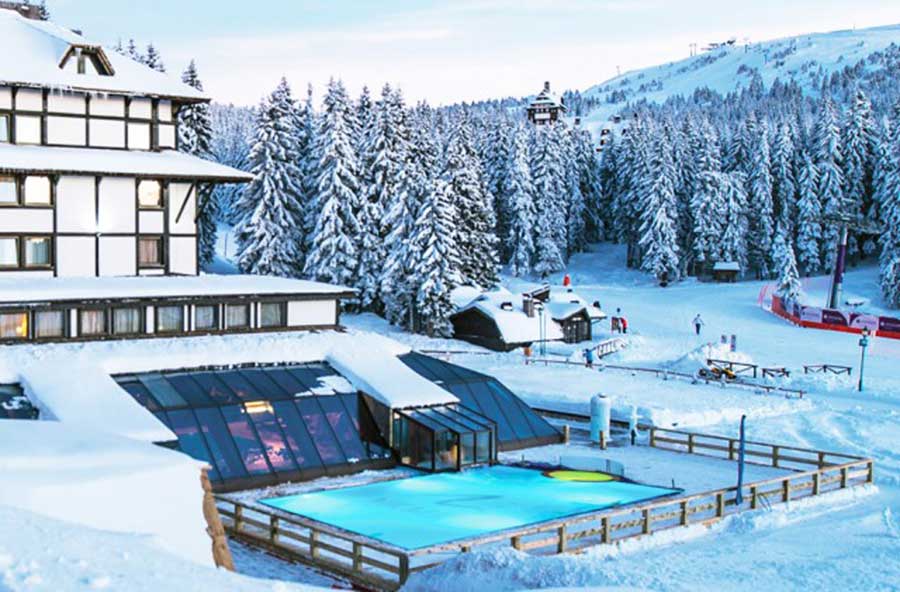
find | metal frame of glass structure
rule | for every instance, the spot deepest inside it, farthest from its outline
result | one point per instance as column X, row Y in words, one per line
column 443, row 438
column 14, row 404
column 518, row 425
column 262, row 425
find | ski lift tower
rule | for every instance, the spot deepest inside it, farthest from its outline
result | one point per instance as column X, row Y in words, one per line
column 846, row 222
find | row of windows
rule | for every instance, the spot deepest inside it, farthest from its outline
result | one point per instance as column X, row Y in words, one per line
column 36, row 191
column 131, row 320
column 36, row 252
column 84, row 132
column 114, row 106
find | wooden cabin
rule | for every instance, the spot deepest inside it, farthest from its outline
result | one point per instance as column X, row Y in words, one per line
column 726, row 271
column 546, row 107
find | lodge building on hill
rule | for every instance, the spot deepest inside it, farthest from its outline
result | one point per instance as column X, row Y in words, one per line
column 546, row 107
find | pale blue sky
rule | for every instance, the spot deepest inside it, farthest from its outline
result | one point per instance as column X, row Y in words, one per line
column 444, row 51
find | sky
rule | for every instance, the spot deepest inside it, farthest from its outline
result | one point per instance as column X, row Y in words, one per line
column 443, row 51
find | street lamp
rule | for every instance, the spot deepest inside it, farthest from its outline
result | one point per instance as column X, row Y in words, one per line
column 863, row 344
column 542, row 330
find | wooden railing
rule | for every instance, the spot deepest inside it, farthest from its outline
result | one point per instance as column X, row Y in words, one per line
column 735, row 367
column 827, row 369
column 360, row 559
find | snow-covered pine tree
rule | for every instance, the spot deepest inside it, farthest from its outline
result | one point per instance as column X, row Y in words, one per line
column 476, row 226
column 590, row 176
column 784, row 179
column 133, row 53
column 759, row 204
column 233, row 133
column 519, row 193
column 549, row 186
column 857, row 141
column 268, row 233
column 889, row 211
column 707, row 199
column 435, row 268
column 828, row 160
column 574, row 204
column 307, row 129
column 153, row 60
column 659, row 234
column 497, row 150
column 733, row 242
column 398, row 282
column 809, row 218
column 384, row 154
column 786, row 265
column 333, row 255
column 195, row 137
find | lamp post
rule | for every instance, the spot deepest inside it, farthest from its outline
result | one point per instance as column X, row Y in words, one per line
column 863, row 344
column 542, row 331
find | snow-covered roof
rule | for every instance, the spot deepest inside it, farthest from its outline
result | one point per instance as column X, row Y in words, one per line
column 463, row 295
column 31, row 52
column 547, row 98
column 383, row 376
column 19, row 290
column 505, row 309
column 726, row 266
column 170, row 164
column 564, row 302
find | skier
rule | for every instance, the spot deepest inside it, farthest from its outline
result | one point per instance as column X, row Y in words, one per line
column 589, row 358
column 698, row 323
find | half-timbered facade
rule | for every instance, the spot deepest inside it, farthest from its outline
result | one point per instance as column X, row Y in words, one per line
column 546, row 107
column 91, row 183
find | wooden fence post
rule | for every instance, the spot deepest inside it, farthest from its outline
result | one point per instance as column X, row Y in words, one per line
column 786, row 490
column 843, row 477
column 604, row 530
column 314, row 544
column 357, row 556
column 214, row 527
column 731, row 449
column 775, row 451
column 404, row 569
column 652, row 437
column 720, row 504
column 516, row 543
column 238, row 517
column 566, row 434
column 753, row 498
column 273, row 528
column 815, row 490
column 870, row 475
column 821, row 459
column 684, row 513
column 690, row 443
column 645, row 528
column 561, row 533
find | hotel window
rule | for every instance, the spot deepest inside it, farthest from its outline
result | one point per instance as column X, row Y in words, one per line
column 206, row 317
column 5, row 136
column 49, row 323
column 9, row 251
column 237, row 316
column 14, row 325
column 127, row 321
column 37, row 191
column 9, row 191
column 150, row 195
column 150, row 252
column 92, row 322
column 28, row 129
column 37, row 252
column 271, row 314
column 169, row 319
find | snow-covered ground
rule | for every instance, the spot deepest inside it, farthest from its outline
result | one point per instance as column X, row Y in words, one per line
column 848, row 541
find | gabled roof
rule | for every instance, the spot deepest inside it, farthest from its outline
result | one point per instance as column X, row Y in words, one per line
column 170, row 164
column 567, row 300
column 31, row 53
column 548, row 99
column 505, row 310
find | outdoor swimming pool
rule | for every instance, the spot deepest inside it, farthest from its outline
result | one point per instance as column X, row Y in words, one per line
column 423, row 511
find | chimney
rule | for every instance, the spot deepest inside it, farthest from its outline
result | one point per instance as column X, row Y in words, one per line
column 528, row 306
column 547, row 86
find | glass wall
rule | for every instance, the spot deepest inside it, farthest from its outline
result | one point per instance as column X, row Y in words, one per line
column 261, row 424
column 517, row 425
column 443, row 438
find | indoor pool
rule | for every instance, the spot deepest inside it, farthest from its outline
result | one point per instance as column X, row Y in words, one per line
column 423, row 511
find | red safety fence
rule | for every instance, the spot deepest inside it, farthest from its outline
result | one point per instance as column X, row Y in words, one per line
column 830, row 319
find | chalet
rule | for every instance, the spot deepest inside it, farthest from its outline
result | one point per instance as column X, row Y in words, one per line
column 546, row 107
column 726, row 271
column 500, row 321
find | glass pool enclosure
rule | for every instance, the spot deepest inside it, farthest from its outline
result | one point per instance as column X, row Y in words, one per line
column 260, row 425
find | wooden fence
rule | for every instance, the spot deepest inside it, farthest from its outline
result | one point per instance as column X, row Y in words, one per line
column 827, row 369
column 382, row 566
column 735, row 367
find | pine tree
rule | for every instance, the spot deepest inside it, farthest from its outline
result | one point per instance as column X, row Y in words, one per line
column 707, row 198
column 233, row 132
column 268, row 237
column 475, row 226
column 759, row 201
column 435, row 266
column 195, row 137
column 574, row 204
column 733, row 242
column 890, row 218
column 827, row 157
column 786, row 264
column 858, row 158
column 398, row 286
column 497, row 150
column 659, row 236
column 153, row 60
column 333, row 256
column 547, row 180
column 784, row 183
column 133, row 53
column 590, row 178
column 519, row 194
column 809, row 218
column 43, row 11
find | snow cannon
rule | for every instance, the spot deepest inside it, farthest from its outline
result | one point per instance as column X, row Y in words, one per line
column 601, row 414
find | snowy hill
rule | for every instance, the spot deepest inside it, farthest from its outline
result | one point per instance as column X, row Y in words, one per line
column 805, row 59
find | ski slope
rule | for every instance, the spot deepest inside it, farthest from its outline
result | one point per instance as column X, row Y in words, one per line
column 730, row 68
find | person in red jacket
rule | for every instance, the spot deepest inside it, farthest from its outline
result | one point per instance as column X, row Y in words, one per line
column 567, row 281
column 623, row 322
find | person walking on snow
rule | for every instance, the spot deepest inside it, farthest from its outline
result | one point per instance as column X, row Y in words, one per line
column 589, row 358
column 567, row 281
column 698, row 323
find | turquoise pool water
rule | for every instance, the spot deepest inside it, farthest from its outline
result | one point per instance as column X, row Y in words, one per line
column 422, row 511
